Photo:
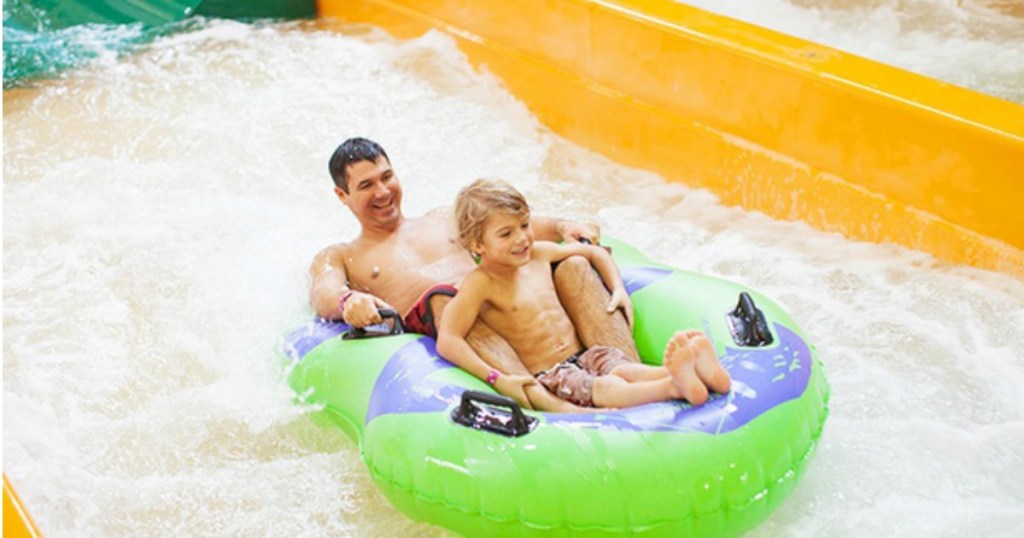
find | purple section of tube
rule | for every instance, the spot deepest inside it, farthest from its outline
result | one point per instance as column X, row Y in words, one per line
column 762, row 378
column 404, row 385
column 638, row 278
column 310, row 335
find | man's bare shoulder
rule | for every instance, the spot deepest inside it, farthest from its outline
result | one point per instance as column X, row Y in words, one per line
column 331, row 257
column 444, row 212
column 431, row 222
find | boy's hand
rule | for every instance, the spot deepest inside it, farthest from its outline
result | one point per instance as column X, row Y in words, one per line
column 514, row 386
column 620, row 299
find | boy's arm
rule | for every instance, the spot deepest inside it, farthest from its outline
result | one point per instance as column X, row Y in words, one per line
column 459, row 316
column 602, row 261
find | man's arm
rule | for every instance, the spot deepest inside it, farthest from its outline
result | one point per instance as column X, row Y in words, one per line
column 329, row 283
column 549, row 229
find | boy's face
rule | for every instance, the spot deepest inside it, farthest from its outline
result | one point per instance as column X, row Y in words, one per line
column 507, row 239
column 374, row 193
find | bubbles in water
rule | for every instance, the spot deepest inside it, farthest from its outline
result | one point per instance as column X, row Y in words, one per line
column 978, row 44
column 160, row 214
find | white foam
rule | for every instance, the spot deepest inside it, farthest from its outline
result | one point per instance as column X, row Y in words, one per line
column 964, row 42
column 160, row 214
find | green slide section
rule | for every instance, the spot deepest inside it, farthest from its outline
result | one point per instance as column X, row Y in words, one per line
column 277, row 9
column 56, row 14
column 44, row 37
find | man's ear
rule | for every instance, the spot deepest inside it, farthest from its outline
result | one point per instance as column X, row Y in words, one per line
column 341, row 194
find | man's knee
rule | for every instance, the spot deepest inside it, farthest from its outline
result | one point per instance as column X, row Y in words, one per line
column 573, row 271
column 573, row 264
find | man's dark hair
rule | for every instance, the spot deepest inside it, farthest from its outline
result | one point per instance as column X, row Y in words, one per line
column 352, row 151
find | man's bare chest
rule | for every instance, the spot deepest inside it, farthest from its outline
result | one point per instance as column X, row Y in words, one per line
column 376, row 267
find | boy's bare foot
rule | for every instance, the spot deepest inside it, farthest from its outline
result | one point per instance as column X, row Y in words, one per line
column 681, row 360
column 709, row 369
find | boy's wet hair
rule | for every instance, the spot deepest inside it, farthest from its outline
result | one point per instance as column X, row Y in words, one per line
column 480, row 199
column 352, row 151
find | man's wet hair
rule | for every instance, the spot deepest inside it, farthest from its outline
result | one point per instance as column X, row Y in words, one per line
column 350, row 152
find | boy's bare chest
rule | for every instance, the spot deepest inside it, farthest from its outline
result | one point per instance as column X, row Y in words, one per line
column 528, row 294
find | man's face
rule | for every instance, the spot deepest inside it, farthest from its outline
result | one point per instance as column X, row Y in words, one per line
column 375, row 195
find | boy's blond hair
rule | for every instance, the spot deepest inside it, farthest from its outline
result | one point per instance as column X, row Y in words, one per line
column 478, row 200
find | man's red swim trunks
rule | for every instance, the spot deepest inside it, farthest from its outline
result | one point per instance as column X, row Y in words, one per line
column 420, row 319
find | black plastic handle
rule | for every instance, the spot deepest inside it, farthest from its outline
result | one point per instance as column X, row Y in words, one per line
column 488, row 417
column 586, row 241
column 748, row 324
column 382, row 329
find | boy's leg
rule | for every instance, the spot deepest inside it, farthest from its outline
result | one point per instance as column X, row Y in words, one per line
column 585, row 299
column 498, row 354
column 614, row 391
column 640, row 372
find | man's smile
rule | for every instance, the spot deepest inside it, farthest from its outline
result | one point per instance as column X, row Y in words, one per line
column 385, row 204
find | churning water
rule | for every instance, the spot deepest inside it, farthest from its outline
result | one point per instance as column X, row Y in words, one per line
column 977, row 44
column 160, row 212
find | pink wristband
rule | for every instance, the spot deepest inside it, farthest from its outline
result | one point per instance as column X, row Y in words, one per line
column 341, row 302
column 493, row 377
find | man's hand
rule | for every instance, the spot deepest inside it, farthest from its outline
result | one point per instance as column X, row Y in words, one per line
column 620, row 299
column 514, row 386
column 362, row 309
column 573, row 232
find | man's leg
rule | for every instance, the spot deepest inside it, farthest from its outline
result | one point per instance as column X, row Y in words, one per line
column 585, row 298
column 498, row 354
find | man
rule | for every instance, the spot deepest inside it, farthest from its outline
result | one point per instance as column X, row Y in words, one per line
column 410, row 265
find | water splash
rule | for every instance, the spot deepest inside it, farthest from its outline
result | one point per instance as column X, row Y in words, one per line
column 936, row 38
column 160, row 213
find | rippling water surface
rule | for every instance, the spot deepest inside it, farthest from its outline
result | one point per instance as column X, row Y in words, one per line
column 159, row 213
column 977, row 44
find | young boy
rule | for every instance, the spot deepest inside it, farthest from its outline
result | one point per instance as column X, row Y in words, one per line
column 512, row 291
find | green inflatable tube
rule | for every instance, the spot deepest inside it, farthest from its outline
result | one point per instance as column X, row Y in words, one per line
column 665, row 469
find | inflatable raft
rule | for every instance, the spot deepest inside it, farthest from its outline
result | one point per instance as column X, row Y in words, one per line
column 445, row 449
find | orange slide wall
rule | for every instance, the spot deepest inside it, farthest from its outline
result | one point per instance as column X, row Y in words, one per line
column 766, row 121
